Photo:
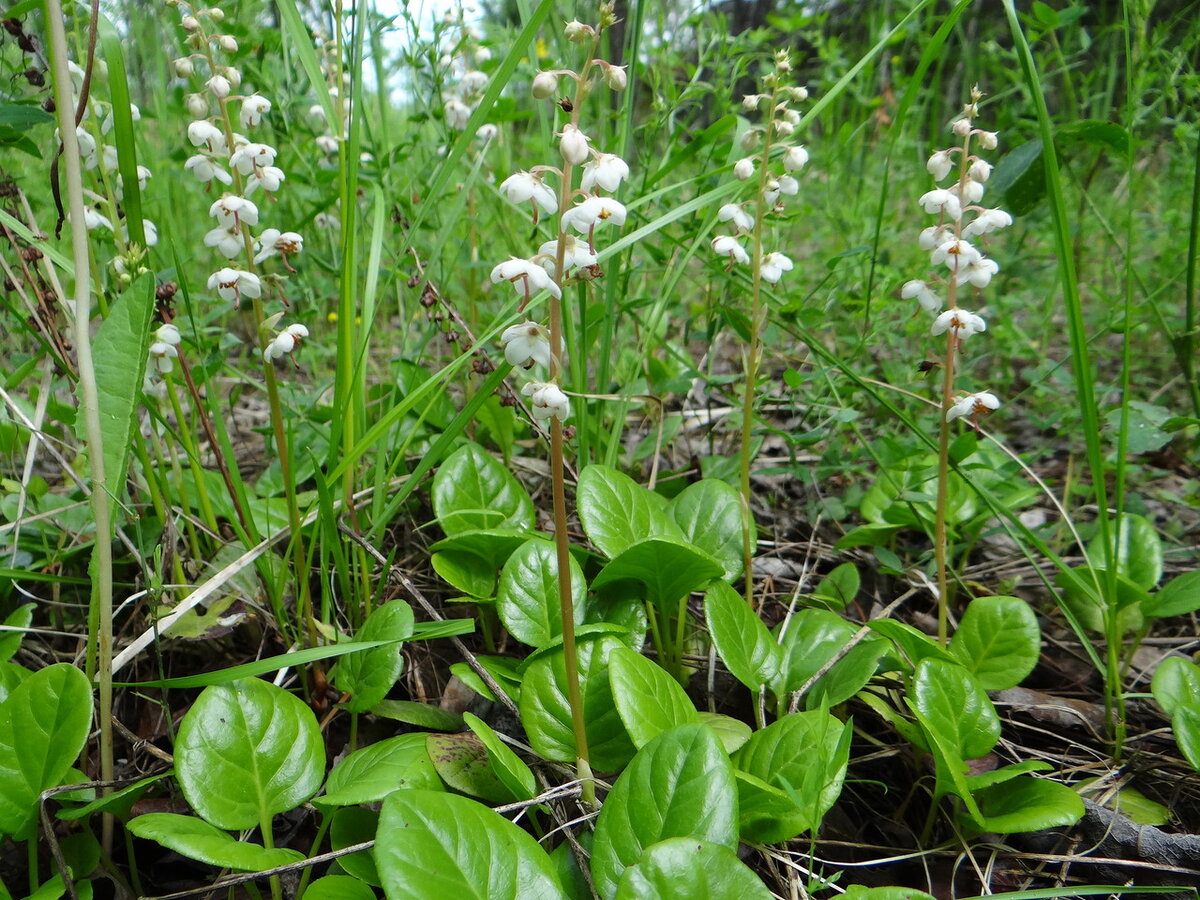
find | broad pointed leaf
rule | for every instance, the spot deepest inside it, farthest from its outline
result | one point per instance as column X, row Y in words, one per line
column 956, row 706
column 368, row 675
column 196, row 839
column 370, row 774
column 743, row 641
column 473, row 491
column 527, row 600
column 616, row 511
column 710, row 514
column 998, row 641
column 648, row 700
column 666, row 569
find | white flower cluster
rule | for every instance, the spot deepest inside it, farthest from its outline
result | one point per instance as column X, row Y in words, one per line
column 960, row 216
column 461, row 61
column 772, row 185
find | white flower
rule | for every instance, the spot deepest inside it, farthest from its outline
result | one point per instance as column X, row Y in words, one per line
column 253, row 109
column 204, row 133
column 973, row 405
column 934, row 236
column 743, row 169
column 184, row 67
column 784, row 128
column 788, row 185
column 920, row 290
column 795, row 159
column 750, row 101
column 206, row 170
column 106, row 125
column 615, row 77
column 939, row 165
column 524, row 186
column 230, row 210
column 285, row 342
column 988, row 220
column 544, row 85
column 228, row 43
column 733, row 212
column 955, row 254
column 961, row 127
column 87, row 145
column 577, row 32
column 526, row 344
column 773, row 266
column 249, row 157
column 968, row 191
column 149, row 232
column 273, row 241
column 473, row 81
column 988, row 139
column 527, row 277
column 592, row 212
column 457, row 113
column 940, row 200
column 163, row 355
column 196, row 105
column 228, row 242
column 573, row 144
column 576, row 254
column 327, row 144
column 93, row 220
column 978, row 271
column 168, row 334
column 219, row 85
column 980, row 170
column 605, row 170
column 268, row 178
column 316, row 112
column 727, row 245
column 233, row 284
column 487, row 132
column 547, row 400
column 963, row 324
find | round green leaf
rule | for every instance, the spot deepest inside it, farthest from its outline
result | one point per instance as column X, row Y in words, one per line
column 616, row 512
column 373, row 772
column 356, row 825
column 998, row 641
column 473, row 491
column 743, row 641
column 443, row 845
column 812, row 638
column 1139, row 551
column 1178, row 597
column 1186, row 723
column 1176, row 683
column 527, row 600
column 732, row 733
column 465, row 572
column 246, row 751
column 44, row 724
column 679, row 785
column 666, row 568
column 11, row 675
column 1028, row 804
column 546, row 711
column 463, row 763
column 956, row 707
column 196, row 839
column 516, row 777
column 369, row 674
column 710, row 515
column 688, row 869
column 338, row 887
column 648, row 700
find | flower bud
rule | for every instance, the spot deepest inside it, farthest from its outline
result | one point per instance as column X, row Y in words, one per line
column 233, row 75
column 574, row 144
column 962, row 127
column 784, row 128
column 980, row 170
column 228, row 43
column 743, row 169
column 750, row 102
column 184, row 67
column 544, row 85
column 190, row 23
column 615, row 77
column 577, row 32
column 196, row 105
column 988, row 140
column 215, row 13
column 750, row 140
column 219, row 85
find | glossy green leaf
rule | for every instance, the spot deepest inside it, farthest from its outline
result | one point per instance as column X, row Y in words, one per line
column 11, row 675
column 1186, row 724
column 956, row 706
column 689, row 869
column 546, row 711
column 422, row 715
column 709, row 513
column 1020, row 178
column 196, row 839
column 465, row 572
column 949, row 767
column 679, row 785
column 119, row 803
column 648, row 700
column 849, row 675
column 10, row 641
column 1005, row 773
column 1139, row 551
column 375, row 771
column 517, row 778
column 1176, row 683
column 874, row 534
column 356, row 825
column 665, row 569
column 916, row 645
column 1028, row 804
column 743, row 641
column 463, row 763
column 338, row 887
column 804, row 757
column 473, row 491
column 1178, row 597
column 858, row 892
column 493, row 545
column 732, row 733
column 1079, row 595
column 626, row 612
column 44, row 724
column 840, row 586
column 370, row 674
column 247, row 751
column 527, row 599
column 810, row 638
column 998, row 641
column 443, row 845
column 617, row 512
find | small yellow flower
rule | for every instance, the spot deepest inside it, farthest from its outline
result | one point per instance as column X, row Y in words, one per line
column 542, row 50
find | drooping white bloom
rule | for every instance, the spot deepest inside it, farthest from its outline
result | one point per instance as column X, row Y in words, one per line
column 106, row 124
column 183, row 67
column 978, row 272
column 573, row 144
column 526, row 344
column 285, row 342
column 269, row 178
column 576, row 254
column 544, row 85
column 961, row 127
column 206, row 169
column 249, row 157
column 163, row 355
column 934, row 236
column 616, row 78
column 92, row 219
column 968, row 192
column 988, row 220
column 920, row 290
column 546, row 400
column 577, row 32
column 961, row 323
column 743, row 169
column 795, row 159
column 168, row 334
column 940, row 200
column 980, row 170
column 487, row 132
column 472, row 82
column 204, row 133
column 593, row 211
column 788, row 186
column 196, row 105
column 988, row 139
column 750, row 101
column 149, row 232
column 219, row 85
column 606, row 170
column 733, row 212
column 527, row 277
column 233, row 284
column 230, row 210
column 253, row 109
column 955, row 254
column 273, row 241
column 728, row 245
column 939, row 165
column 327, row 144
column 525, row 186
column 87, row 145
column 773, row 267
column 457, row 113
column 228, row 43
column 973, row 405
